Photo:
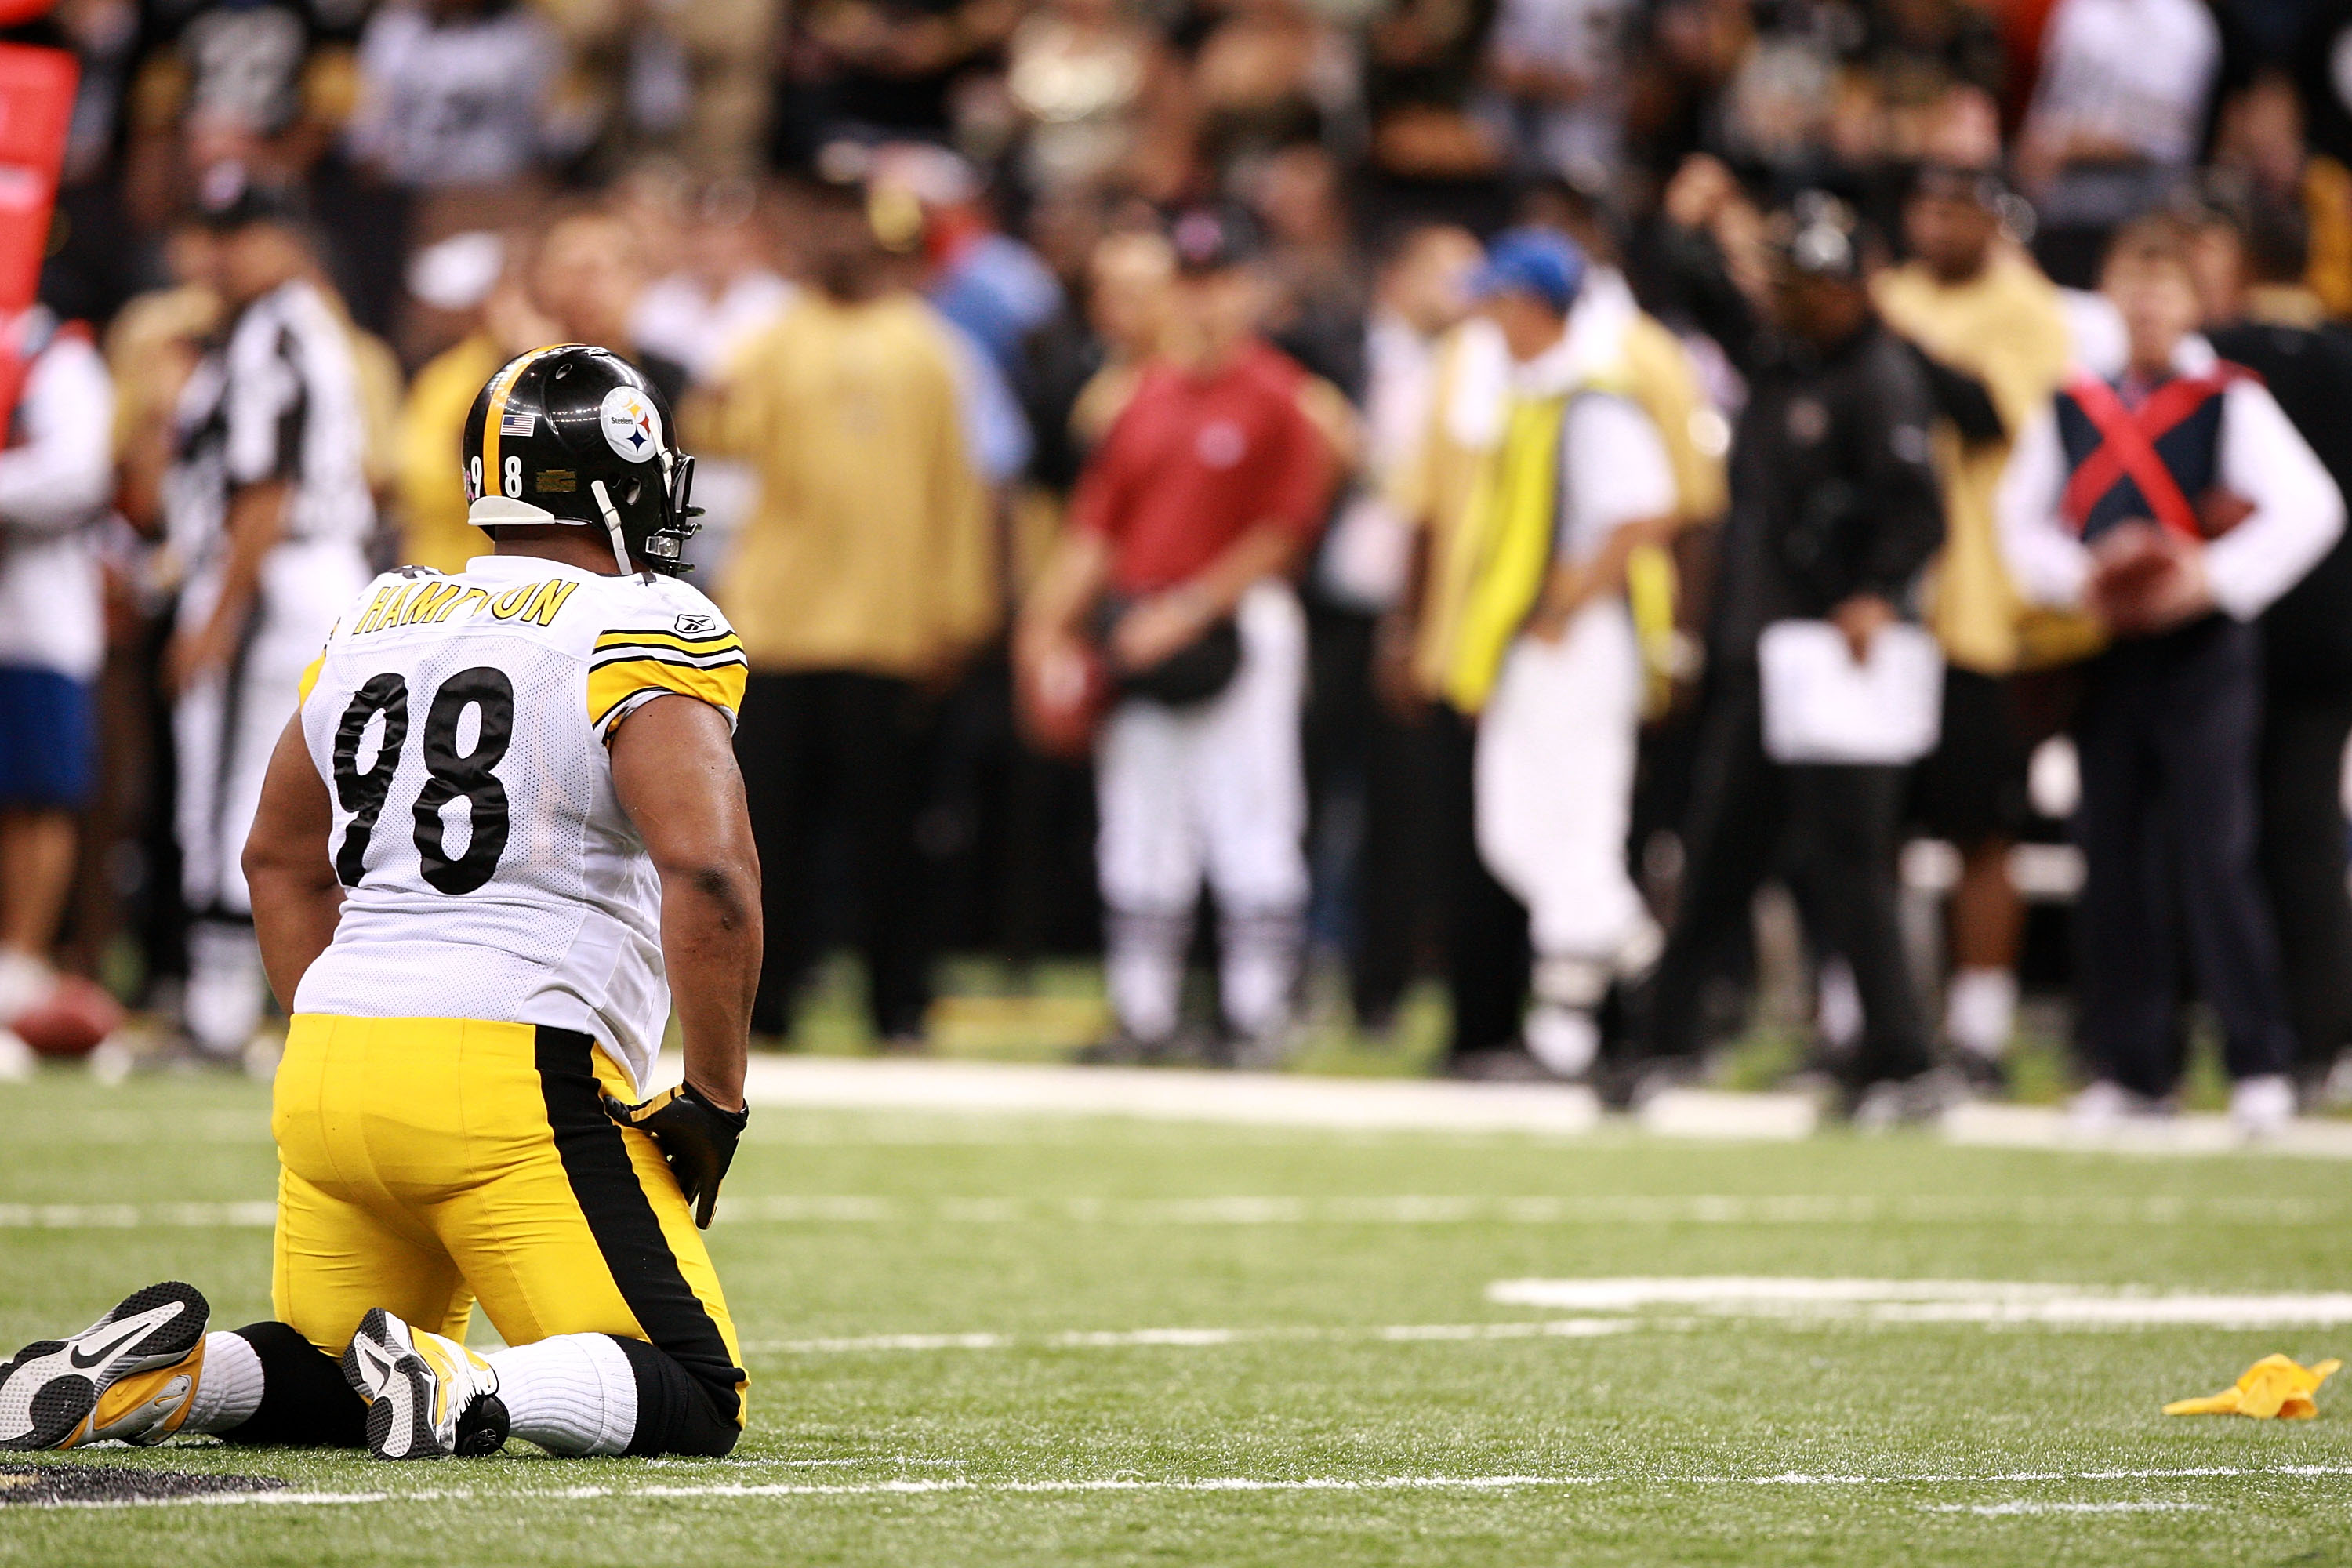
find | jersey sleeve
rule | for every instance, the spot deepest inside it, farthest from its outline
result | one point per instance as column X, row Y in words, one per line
column 310, row 677
column 655, row 648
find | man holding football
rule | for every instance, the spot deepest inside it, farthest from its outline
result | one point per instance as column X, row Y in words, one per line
column 505, row 819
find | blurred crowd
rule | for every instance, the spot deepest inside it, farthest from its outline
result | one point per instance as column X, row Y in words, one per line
column 1362, row 470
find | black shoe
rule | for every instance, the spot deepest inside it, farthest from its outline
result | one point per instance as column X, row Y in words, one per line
column 1629, row 1085
column 1987, row 1078
column 1495, row 1067
column 1906, row 1101
column 1120, row 1048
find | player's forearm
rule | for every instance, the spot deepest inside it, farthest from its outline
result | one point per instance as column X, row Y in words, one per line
column 295, row 896
column 256, row 522
column 1074, row 575
column 294, row 914
column 711, row 943
column 1267, row 549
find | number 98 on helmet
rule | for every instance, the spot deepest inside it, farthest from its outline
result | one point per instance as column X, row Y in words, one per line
column 576, row 435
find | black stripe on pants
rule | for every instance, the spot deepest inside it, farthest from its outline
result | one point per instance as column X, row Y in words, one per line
column 596, row 1160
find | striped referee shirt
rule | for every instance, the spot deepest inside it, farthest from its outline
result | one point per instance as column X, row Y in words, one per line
column 277, row 399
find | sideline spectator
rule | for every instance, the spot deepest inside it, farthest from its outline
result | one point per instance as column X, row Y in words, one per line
column 1996, row 338
column 1560, row 67
column 1201, row 501
column 2259, row 313
column 864, row 581
column 2177, row 503
column 992, row 286
column 1104, row 97
column 454, row 92
column 55, row 478
column 1547, row 655
column 1834, row 513
column 1485, row 929
column 2115, row 119
column 1367, row 563
column 724, row 289
column 587, row 278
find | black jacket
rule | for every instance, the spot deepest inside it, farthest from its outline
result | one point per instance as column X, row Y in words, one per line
column 2307, row 632
column 1833, row 489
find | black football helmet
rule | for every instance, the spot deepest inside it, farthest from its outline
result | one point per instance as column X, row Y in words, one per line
column 576, row 435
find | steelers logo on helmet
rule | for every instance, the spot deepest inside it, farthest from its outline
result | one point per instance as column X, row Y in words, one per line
column 631, row 422
column 572, row 434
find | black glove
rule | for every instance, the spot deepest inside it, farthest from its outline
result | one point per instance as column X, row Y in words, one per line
column 695, row 1136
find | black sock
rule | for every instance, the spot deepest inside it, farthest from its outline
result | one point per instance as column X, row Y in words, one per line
column 305, row 1403
column 675, row 1414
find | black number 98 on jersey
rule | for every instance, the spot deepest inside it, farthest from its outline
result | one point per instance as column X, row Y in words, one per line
column 449, row 775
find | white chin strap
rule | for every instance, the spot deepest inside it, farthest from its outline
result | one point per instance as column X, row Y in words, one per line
column 611, row 525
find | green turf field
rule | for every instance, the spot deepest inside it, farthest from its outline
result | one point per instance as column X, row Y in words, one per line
column 944, row 1320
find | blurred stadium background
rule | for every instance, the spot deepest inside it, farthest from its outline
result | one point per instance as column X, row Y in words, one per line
column 1005, row 329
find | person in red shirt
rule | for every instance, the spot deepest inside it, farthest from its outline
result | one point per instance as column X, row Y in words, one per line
column 1185, row 527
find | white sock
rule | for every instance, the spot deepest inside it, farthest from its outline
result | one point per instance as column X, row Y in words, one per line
column 25, row 981
column 228, row 1390
column 1980, row 1011
column 573, row 1393
column 1837, row 1005
column 223, row 1002
column 1258, row 971
column 1566, row 1040
column 1144, row 971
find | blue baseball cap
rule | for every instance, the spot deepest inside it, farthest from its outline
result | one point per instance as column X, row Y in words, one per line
column 1538, row 262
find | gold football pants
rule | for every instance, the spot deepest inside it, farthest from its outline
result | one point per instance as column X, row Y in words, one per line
column 426, row 1164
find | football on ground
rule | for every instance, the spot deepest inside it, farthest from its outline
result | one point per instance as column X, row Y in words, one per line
column 1099, row 1339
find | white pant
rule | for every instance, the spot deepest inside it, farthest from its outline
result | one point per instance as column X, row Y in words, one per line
column 1555, row 788
column 224, row 730
column 1214, row 790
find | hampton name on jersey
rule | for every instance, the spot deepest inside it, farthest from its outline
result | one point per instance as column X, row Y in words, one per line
column 460, row 723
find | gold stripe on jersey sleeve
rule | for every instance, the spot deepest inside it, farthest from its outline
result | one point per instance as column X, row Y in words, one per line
column 717, row 642
column 611, row 684
column 500, row 391
column 309, row 679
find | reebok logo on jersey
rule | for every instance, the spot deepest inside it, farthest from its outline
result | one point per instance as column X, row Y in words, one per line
column 696, row 626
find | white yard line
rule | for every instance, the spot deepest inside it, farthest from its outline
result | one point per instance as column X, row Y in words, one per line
column 1413, row 1209
column 1622, row 1306
column 1892, row 1301
column 261, row 1212
column 999, row 1089
column 1198, row 1339
column 1257, row 1100
column 1403, row 1209
column 2047, row 1126
column 2031, row 1505
column 924, row 1485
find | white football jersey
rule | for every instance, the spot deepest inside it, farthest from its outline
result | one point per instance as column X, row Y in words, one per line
column 460, row 724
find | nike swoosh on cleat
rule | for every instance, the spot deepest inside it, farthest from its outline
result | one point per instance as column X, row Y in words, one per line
column 381, row 1364
column 146, row 1322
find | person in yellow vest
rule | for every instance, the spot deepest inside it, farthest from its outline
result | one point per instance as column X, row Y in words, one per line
column 864, row 579
column 1546, row 652
column 1978, row 307
column 1487, row 970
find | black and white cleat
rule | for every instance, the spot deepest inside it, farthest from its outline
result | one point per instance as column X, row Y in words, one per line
column 49, row 1389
